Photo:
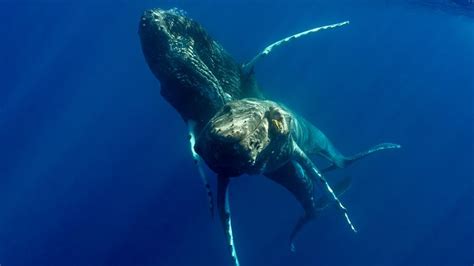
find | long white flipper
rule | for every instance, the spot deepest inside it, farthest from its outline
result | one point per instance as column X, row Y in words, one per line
column 309, row 166
column 223, row 208
column 198, row 162
column 318, row 205
column 247, row 68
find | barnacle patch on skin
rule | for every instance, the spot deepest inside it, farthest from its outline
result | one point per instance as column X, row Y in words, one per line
column 278, row 124
column 197, row 75
column 247, row 134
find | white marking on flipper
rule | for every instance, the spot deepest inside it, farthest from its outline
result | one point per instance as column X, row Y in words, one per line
column 247, row 68
column 314, row 173
column 198, row 162
column 340, row 188
column 225, row 215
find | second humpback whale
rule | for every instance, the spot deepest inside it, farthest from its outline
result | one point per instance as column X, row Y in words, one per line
column 231, row 125
column 253, row 136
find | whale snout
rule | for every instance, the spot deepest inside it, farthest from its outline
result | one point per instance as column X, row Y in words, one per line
column 161, row 22
column 152, row 23
column 146, row 18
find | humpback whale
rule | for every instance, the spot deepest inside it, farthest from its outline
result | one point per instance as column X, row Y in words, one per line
column 253, row 136
column 233, row 128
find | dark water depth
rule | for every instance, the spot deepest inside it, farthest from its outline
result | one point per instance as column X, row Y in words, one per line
column 95, row 167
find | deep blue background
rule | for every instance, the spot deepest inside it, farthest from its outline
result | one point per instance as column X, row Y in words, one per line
column 95, row 167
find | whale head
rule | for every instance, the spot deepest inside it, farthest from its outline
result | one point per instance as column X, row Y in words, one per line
column 196, row 74
column 244, row 137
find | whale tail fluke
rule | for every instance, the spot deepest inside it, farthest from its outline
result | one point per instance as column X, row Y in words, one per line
column 351, row 159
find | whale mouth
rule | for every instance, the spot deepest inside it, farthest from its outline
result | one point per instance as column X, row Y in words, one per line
column 159, row 32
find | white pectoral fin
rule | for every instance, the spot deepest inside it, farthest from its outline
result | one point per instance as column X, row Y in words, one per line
column 223, row 208
column 340, row 188
column 247, row 68
column 313, row 171
column 198, row 162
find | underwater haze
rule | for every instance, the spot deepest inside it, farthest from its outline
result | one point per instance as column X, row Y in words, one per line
column 95, row 166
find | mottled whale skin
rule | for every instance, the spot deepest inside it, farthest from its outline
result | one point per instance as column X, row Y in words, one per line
column 254, row 136
column 197, row 76
column 232, row 126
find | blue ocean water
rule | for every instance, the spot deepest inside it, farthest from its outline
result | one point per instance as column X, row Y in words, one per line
column 95, row 167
